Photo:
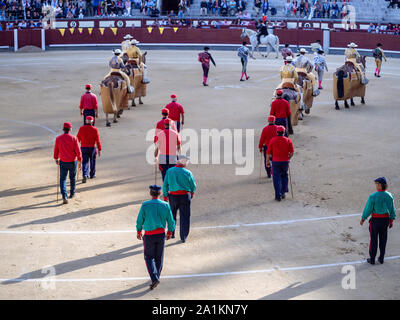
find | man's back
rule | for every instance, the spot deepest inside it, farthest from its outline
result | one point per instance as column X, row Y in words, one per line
column 280, row 108
column 280, row 147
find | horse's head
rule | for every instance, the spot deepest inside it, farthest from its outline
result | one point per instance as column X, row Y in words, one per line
column 144, row 57
column 364, row 61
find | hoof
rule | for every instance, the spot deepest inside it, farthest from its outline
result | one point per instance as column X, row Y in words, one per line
column 307, row 111
column 140, row 102
column 108, row 124
column 362, row 101
column 115, row 121
column 118, row 116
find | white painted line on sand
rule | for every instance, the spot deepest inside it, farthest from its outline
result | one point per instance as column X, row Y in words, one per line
column 197, row 275
column 31, row 124
column 239, row 225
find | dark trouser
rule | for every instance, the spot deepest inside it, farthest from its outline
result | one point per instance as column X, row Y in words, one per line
column 181, row 203
column 378, row 228
column 280, row 177
column 244, row 65
column 154, row 254
column 178, row 126
column 66, row 167
column 268, row 169
column 282, row 122
column 89, row 112
column 88, row 157
column 166, row 162
column 206, row 68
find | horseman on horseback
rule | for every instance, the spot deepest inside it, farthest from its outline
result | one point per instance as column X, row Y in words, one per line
column 288, row 71
column 126, row 43
column 354, row 57
column 134, row 52
column 116, row 64
column 304, row 65
column 262, row 30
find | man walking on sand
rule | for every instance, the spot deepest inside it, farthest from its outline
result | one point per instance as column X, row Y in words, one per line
column 380, row 206
column 66, row 154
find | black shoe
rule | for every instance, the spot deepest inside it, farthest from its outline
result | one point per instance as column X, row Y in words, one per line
column 205, row 84
column 84, row 180
column 370, row 261
column 378, row 76
column 241, row 80
column 278, row 199
column 93, row 177
column 375, row 74
column 65, row 201
column 154, row 284
column 247, row 78
column 380, row 260
column 269, row 176
column 72, row 196
column 183, row 240
column 283, row 196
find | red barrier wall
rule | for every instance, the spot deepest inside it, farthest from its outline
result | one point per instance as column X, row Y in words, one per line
column 202, row 36
column 7, row 38
column 365, row 40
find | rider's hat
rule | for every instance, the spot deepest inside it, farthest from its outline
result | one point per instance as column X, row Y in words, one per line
column 128, row 36
column 352, row 45
column 117, row 51
column 134, row 41
column 289, row 59
column 302, row 50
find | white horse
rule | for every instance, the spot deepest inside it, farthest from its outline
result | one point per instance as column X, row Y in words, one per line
column 271, row 41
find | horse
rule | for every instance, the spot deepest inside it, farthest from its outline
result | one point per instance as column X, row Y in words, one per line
column 114, row 96
column 291, row 95
column 137, row 73
column 271, row 41
column 306, row 89
column 347, row 83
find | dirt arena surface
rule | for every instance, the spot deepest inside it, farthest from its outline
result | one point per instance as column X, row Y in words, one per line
column 294, row 249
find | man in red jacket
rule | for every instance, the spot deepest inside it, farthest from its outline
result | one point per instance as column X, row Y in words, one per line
column 267, row 134
column 88, row 105
column 66, row 152
column 281, row 149
column 280, row 108
column 176, row 112
column 88, row 137
column 160, row 124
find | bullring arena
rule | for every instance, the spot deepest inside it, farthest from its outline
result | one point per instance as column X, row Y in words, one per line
column 242, row 243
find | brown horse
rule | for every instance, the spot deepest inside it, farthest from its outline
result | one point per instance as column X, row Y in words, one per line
column 306, row 89
column 347, row 84
column 291, row 95
column 135, row 73
column 114, row 96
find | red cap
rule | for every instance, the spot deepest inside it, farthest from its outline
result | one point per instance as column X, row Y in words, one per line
column 167, row 121
column 165, row 110
column 271, row 118
column 173, row 96
column 281, row 129
column 88, row 86
column 67, row 125
column 90, row 118
column 279, row 92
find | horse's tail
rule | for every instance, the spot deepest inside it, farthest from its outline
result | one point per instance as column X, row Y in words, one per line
column 277, row 42
column 340, row 83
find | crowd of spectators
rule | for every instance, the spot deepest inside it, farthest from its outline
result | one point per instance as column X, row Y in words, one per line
column 330, row 9
column 222, row 7
column 390, row 28
column 393, row 3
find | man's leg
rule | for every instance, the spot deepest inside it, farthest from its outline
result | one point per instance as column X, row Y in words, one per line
column 63, row 180
column 314, row 83
column 383, row 231
column 149, row 256
column 184, row 216
column 284, row 177
column 277, row 180
column 85, row 162
column 127, row 80
column 159, row 253
column 173, row 203
column 373, row 245
column 93, row 156
column 72, row 177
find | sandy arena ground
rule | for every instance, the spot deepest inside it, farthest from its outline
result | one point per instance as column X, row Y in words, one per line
column 294, row 249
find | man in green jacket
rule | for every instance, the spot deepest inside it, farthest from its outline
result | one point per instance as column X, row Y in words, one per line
column 152, row 218
column 380, row 206
column 179, row 187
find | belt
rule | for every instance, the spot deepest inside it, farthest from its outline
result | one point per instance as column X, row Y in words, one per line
column 179, row 192
column 377, row 215
column 156, row 231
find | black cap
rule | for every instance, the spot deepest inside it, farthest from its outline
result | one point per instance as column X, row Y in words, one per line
column 206, row 48
column 155, row 187
column 381, row 180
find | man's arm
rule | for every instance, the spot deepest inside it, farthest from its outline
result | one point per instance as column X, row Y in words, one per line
column 78, row 151
column 81, row 105
column 139, row 223
column 56, row 152
column 367, row 210
column 96, row 105
column 166, row 186
column 170, row 222
column 212, row 60
column 98, row 142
